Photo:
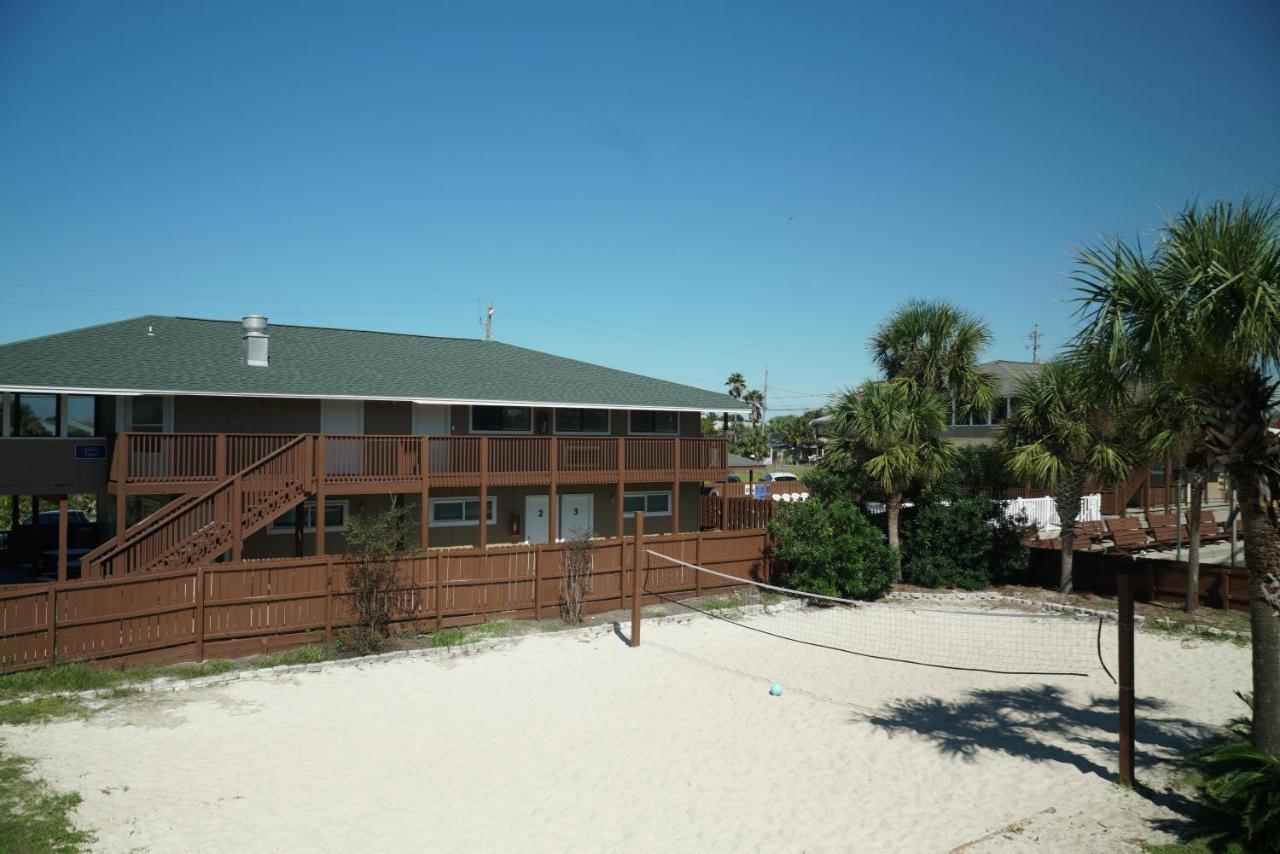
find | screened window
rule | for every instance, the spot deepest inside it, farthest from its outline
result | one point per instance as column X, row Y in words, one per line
column 335, row 518
column 447, row 512
column 35, row 415
column 501, row 419
column 651, row 503
column 655, row 422
column 582, row 421
column 80, row 415
column 148, row 413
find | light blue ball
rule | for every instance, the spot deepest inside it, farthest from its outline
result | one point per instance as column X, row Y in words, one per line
column 776, row 690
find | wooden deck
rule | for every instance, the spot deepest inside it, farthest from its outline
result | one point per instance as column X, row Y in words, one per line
column 151, row 463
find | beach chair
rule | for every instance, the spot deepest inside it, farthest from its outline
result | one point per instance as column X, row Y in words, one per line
column 1129, row 540
column 1211, row 530
column 1164, row 529
column 1091, row 532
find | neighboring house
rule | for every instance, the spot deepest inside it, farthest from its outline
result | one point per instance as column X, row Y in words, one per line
column 978, row 428
column 204, row 437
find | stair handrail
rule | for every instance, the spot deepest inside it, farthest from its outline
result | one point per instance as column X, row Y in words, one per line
column 182, row 506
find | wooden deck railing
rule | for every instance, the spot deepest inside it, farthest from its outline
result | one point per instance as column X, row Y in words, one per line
column 186, row 462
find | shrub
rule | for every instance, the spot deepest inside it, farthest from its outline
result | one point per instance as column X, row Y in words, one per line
column 378, row 542
column 1240, row 785
column 577, row 563
column 969, row 544
column 832, row 484
column 830, row 547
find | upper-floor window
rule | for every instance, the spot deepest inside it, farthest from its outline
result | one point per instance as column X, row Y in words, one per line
column 582, row 421
column 80, row 415
column 34, row 415
column 501, row 419
column 148, row 413
column 667, row 423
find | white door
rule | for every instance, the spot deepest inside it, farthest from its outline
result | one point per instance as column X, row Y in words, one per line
column 342, row 418
column 535, row 518
column 575, row 517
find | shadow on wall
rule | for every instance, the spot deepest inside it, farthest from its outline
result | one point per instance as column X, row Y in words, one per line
column 1042, row 724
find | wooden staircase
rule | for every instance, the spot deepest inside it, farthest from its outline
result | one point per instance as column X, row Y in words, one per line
column 203, row 525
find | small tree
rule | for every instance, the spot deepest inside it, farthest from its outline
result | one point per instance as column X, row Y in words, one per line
column 831, row 548
column 378, row 541
column 577, row 563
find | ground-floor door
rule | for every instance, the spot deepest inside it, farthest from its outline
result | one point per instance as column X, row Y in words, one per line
column 575, row 519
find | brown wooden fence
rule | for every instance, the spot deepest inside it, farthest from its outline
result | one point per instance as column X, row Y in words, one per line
column 224, row 610
column 742, row 513
column 1154, row 581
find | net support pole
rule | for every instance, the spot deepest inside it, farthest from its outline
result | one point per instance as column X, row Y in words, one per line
column 637, row 573
column 1124, row 621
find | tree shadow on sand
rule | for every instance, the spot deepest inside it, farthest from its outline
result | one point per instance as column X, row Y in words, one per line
column 1043, row 724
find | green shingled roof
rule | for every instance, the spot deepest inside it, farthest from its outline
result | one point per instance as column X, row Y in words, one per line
column 188, row 355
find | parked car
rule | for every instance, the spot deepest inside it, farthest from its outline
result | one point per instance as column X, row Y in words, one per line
column 50, row 517
column 781, row 476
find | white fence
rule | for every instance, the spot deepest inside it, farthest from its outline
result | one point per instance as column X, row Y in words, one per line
column 1043, row 512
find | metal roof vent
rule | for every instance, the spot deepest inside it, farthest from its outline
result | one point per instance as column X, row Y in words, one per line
column 255, row 340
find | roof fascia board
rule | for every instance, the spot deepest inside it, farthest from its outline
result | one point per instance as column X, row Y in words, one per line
column 33, row 389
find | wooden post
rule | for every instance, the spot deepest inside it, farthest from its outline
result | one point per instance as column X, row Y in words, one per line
column 675, row 488
column 483, row 521
column 52, row 617
column 637, row 578
column 122, row 512
column 328, row 601
column 724, row 506
column 322, row 466
column 237, row 520
column 199, row 613
column 621, row 491
column 553, row 498
column 1124, row 597
column 537, row 581
column 62, row 538
column 220, row 455
column 299, row 526
column 424, row 511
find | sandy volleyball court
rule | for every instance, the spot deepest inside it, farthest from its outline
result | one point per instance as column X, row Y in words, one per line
column 566, row 742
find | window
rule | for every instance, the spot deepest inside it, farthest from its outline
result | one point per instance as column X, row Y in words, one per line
column 80, row 415
column 335, row 518
column 651, row 503
column 35, row 415
column 501, row 419
column 582, row 421
column 148, row 413
column 463, row 510
column 1003, row 406
column 655, row 422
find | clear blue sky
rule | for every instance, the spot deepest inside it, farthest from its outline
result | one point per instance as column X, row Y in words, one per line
column 676, row 191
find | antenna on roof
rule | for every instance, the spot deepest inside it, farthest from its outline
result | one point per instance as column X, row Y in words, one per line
column 1034, row 337
column 488, row 323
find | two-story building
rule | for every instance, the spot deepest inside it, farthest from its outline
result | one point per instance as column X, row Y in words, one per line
column 208, row 437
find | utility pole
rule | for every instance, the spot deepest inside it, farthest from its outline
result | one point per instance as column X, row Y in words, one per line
column 488, row 323
column 1034, row 346
column 764, row 403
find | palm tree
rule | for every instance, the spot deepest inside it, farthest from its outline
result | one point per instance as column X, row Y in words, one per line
column 935, row 345
column 737, row 384
column 1063, row 430
column 894, row 437
column 751, row 442
column 756, row 399
column 1173, row 426
column 1203, row 313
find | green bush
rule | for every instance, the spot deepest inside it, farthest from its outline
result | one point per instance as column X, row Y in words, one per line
column 830, row 547
column 832, row 484
column 1240, row 785
column 968, row 543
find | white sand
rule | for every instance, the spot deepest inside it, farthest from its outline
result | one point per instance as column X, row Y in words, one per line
column 559, row 743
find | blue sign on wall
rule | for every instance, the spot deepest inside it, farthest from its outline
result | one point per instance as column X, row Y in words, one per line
column 85, row 451
column 762, row 491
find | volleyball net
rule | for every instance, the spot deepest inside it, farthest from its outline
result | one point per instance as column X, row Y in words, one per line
column 917, row 632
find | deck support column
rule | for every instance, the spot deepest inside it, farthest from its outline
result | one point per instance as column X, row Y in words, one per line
column 675, row 487
column 553, row 495
column 35, row 533
column 424, row 499
column 484, row 492
column 621, row 491
column 62, row 538
column 122, row 512
column 321, row 467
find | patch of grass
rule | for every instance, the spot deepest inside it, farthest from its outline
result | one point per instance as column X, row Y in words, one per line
column 768, row 597
column 40, row 710
column 33, row 818
column 722, row 604
column 472, row 634
column 65, row 678
column 1190, row 631
column 312, row 653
